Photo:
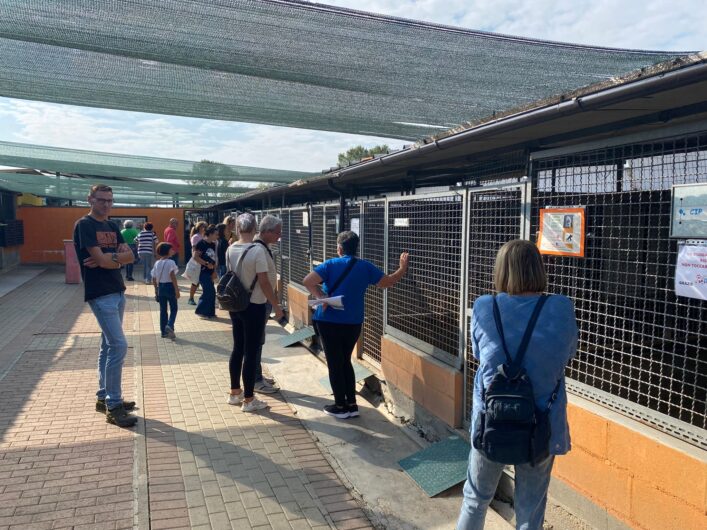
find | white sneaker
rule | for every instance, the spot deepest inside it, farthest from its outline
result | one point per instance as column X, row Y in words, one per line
column 264, row 387
column 252, row 406
column 235, row 399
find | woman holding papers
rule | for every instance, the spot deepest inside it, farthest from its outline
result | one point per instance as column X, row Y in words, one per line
column 344, row 280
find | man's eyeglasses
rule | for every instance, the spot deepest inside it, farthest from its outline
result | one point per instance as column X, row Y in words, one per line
column 103, row 201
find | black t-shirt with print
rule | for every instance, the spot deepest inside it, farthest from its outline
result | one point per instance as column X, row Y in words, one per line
column 88, row 232
column 208, row 253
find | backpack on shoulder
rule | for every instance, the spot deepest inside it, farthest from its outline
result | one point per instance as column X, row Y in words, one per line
column 511, row 429
column 231, row 294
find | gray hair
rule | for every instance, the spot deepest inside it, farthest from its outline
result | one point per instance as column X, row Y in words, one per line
column 269, row 223
column 246, row 223
column 127, row 223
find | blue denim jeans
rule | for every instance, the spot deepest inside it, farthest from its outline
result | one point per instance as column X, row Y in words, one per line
column 167, row 296
column 207, row 301
column 530, row 497
column 221, row 270
column 129, row 266
column 109, row 311
column 147, row 259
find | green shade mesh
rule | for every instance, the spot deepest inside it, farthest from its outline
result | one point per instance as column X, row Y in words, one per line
column 55, row 159
column 285, row 63
column 124, row 192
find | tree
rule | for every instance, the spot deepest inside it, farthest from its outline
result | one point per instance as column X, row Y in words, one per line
column 355, row 154
column 207, row 173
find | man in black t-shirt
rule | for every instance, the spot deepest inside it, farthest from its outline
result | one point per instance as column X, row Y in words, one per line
column 101, row 250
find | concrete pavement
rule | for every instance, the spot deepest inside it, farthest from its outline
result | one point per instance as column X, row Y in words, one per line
column 193, row 461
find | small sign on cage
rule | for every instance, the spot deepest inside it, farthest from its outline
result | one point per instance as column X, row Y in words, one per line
column 562, row 232
column 688, row 215
column 691, row 270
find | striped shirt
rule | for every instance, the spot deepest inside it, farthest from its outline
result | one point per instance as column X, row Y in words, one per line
column 145, row 241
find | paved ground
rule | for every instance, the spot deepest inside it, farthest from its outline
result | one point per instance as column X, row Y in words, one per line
column 193, row 461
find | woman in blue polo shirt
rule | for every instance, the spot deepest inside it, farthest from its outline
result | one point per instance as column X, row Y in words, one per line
column 339, row 328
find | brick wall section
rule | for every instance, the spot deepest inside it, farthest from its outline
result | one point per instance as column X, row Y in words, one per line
column 633, row 474
column 434, row 385
column 299, row 313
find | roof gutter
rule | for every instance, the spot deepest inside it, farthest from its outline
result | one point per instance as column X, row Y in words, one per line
column 643, row 87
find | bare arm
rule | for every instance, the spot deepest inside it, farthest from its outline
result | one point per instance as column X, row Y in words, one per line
column 391, row 279
column 313, row 283
column 265, row 286
column 105, row 261
column 174, row 282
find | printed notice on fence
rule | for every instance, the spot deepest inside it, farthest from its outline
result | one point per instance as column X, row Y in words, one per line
column 691, row 271
column 562, row 232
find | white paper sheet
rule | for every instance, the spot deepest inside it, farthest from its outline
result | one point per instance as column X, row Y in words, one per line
column 336, row 302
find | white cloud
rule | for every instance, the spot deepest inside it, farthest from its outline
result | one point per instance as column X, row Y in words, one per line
column 641, row 24
column 175, row 137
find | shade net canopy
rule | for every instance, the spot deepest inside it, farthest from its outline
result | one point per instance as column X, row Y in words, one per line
column 125, row 192
column 286, row 63
column 57, row 159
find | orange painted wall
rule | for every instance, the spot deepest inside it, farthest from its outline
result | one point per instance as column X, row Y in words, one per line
column 638, row 475
column 47, row 227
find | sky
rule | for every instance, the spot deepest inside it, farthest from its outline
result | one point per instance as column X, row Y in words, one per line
column 646, row 24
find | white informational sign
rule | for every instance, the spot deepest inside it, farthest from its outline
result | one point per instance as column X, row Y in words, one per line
column 689, row 211
column 562, row 232
column 355, row 225
column 691, row 271
column 305, row 218
column 401, row 221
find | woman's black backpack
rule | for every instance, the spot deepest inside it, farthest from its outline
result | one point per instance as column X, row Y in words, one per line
column 231, row 294
column 511, row 430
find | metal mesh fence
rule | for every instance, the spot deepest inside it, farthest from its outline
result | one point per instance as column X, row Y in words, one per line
column 331, row 218
column 317, row 234
column 285, row 256
column 299, row 244
column 426, row 306
column 373, row 250
column 494, row 218
column 638, row 341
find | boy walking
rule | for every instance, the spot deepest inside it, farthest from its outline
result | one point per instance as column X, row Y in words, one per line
column 164, row 278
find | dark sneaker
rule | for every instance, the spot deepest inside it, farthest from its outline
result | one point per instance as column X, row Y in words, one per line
column 101, row 405
column 353, row 410
column 119, row 416
column 191, row 301
column 170, row 332
column 337, row 411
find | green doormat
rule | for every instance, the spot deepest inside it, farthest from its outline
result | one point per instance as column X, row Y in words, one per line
column 440, row 466
column 297, row 336
column 360, row 372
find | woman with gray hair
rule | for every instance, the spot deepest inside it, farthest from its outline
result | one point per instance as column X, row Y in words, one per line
column 252, row 261
column 129, row 234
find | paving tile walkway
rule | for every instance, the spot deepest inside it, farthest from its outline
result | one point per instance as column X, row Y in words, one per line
column 193, row 461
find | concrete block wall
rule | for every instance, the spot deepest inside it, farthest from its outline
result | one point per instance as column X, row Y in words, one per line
column 640, row 476
column 299, row 313
column 432, row 384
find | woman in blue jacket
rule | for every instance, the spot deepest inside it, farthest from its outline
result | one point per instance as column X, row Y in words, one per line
column 339, row 328
column 520, row 280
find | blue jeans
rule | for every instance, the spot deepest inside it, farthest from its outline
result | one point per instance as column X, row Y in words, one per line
column 207, row 301
column 167, row 295
column 221, row 270
column 530, row 498
column 147, row 259
column 109, row 310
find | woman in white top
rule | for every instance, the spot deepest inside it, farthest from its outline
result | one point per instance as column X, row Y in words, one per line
column 196, row 235
column 249, row 325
